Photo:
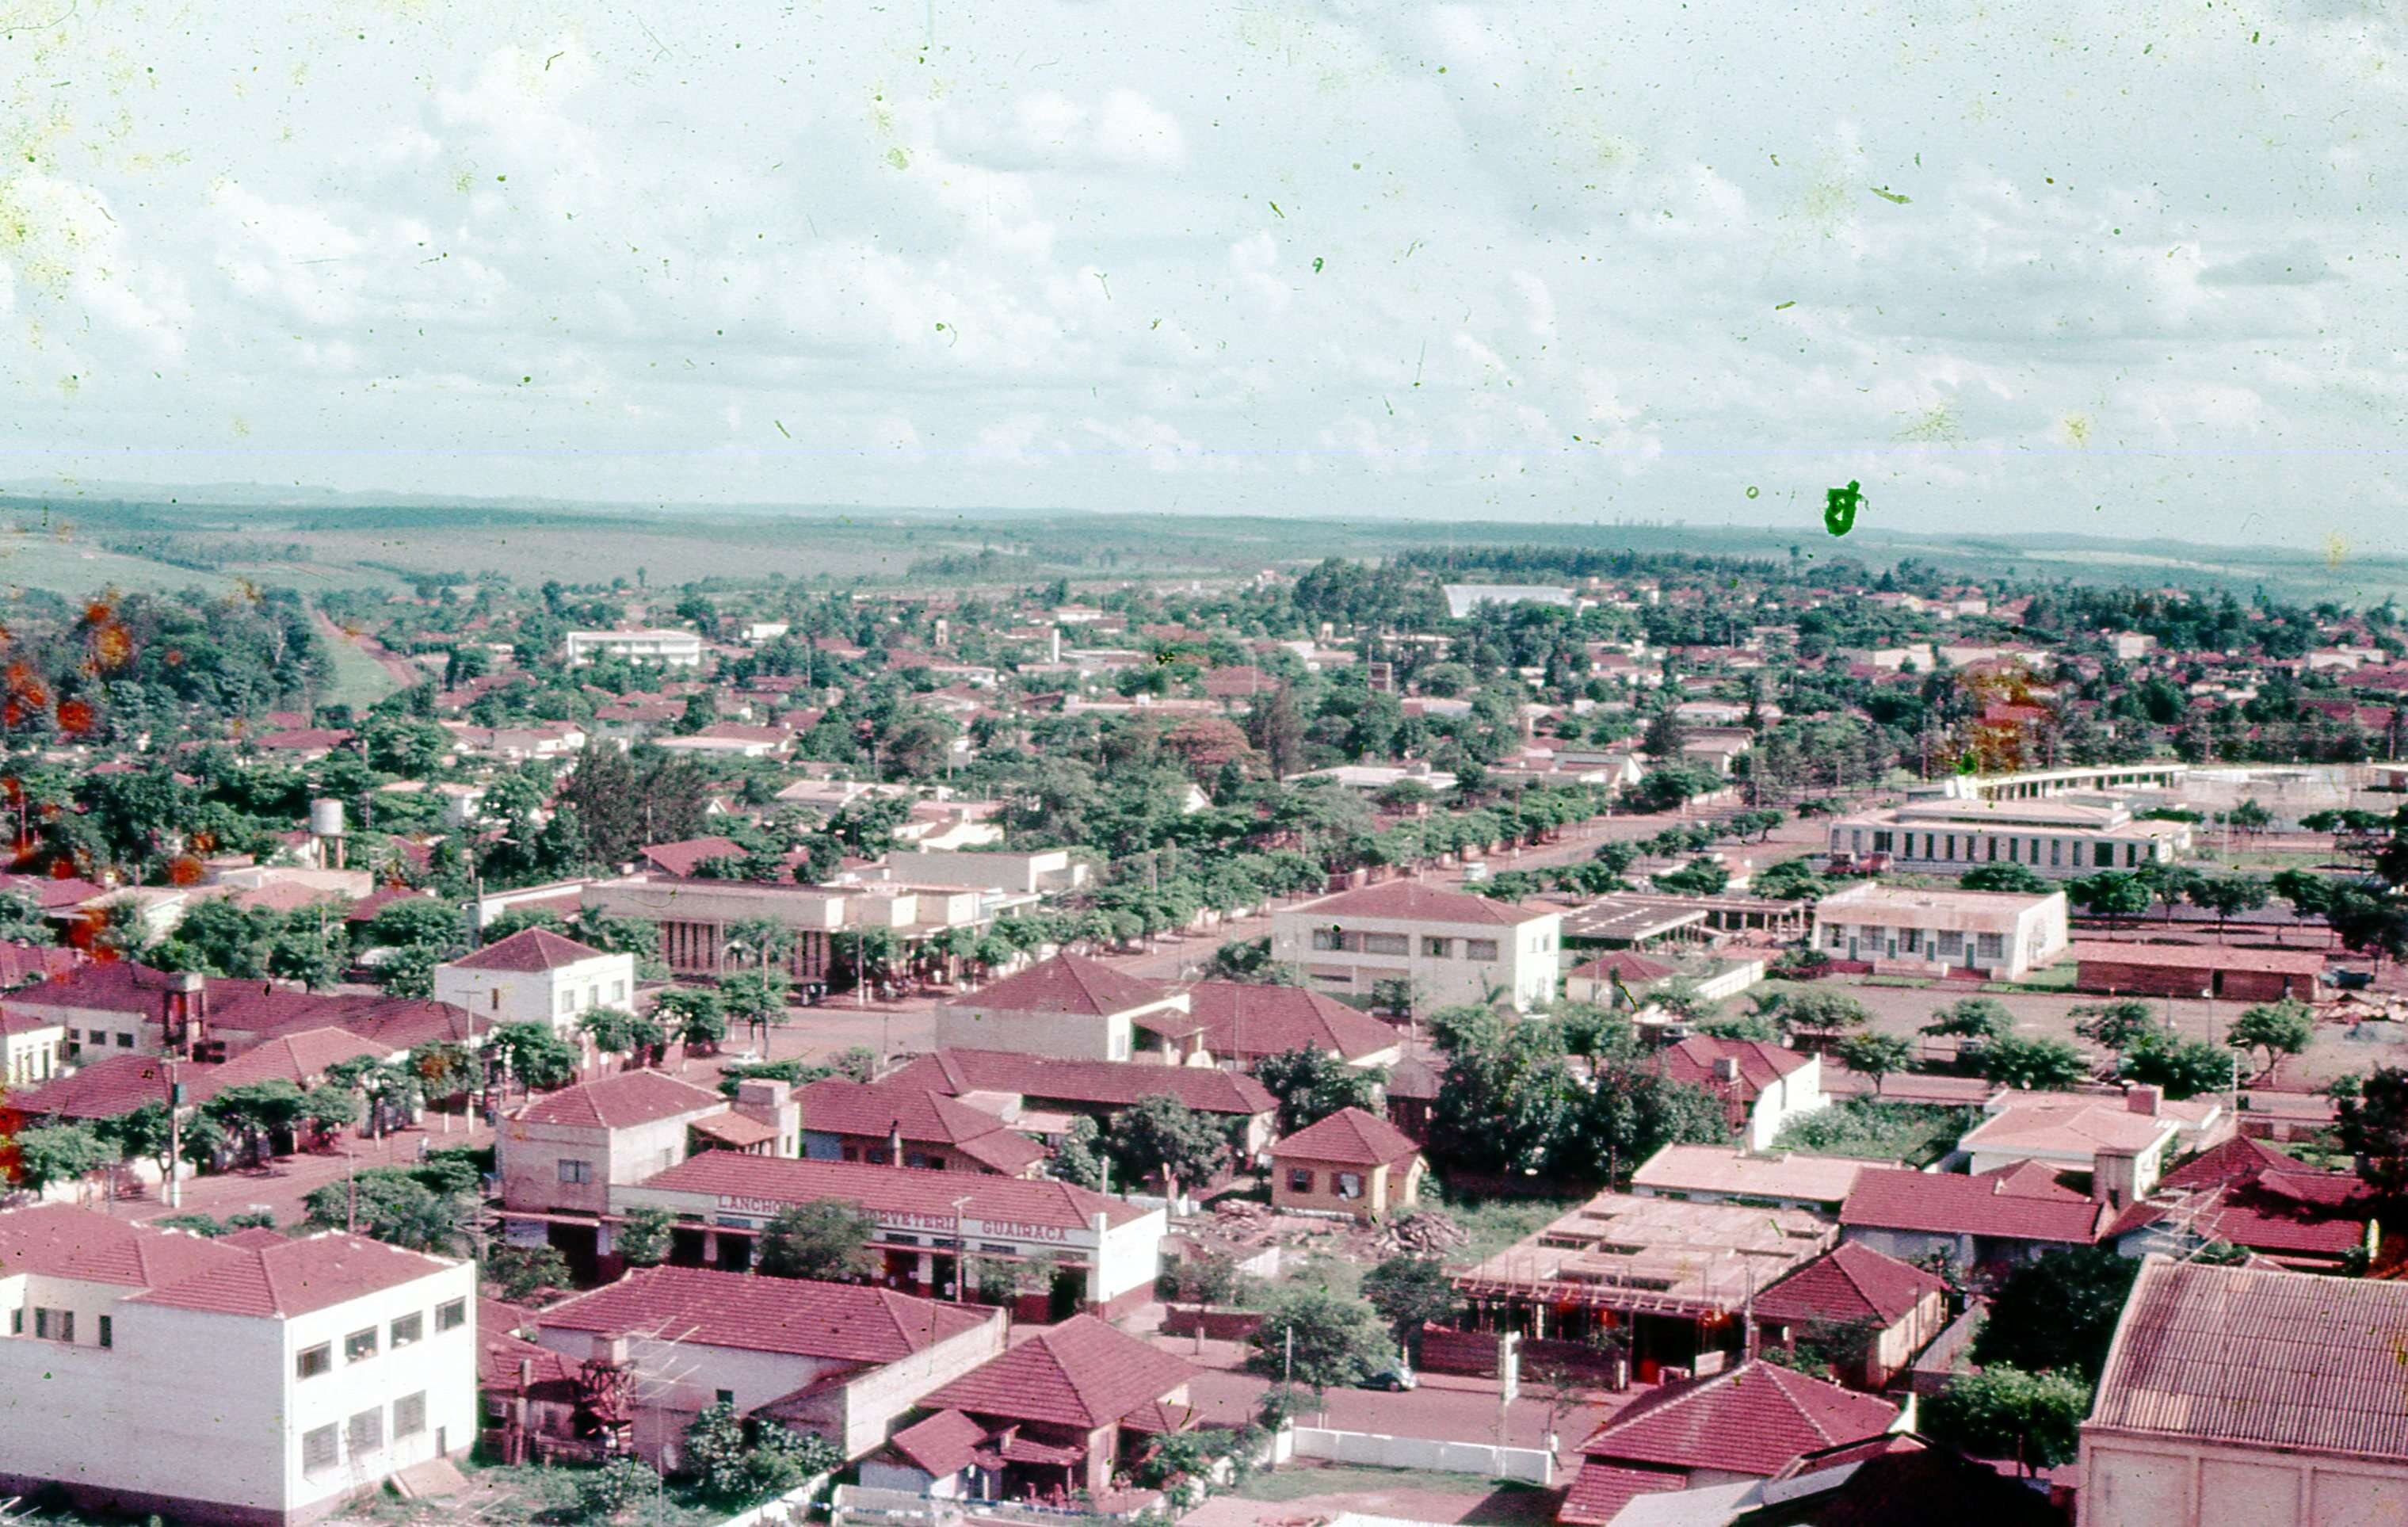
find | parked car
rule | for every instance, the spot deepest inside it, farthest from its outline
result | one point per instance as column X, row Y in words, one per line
column 1395, row 1380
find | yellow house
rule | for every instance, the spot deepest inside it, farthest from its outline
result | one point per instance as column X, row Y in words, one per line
column 1351, row 1164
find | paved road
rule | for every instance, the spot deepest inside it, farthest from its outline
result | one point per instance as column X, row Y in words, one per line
column 283, row 1183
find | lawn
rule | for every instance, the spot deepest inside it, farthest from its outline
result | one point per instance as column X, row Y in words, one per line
column 517, row 1494
column 1496, row 1223
column 1915, row 1133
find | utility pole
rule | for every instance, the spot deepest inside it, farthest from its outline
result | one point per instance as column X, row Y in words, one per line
column 175, row 1191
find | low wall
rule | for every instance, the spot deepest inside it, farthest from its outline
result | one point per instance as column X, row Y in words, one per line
column 793, row 1506
column 1220, row 1325
column 1530, row 1465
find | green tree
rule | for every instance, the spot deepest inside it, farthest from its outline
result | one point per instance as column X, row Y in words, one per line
column 2016, row 878
column 2285, row 1027
column 2226, row 894
column 256, row 1113
column 2113, row 1026
column 2058, row 1312
column 643, row 1237
column 1875, row 1055
column 523, row 1273
column 2309, row 893
column 2003, row 1411
column 695, row 1016
column 1337, row 1341
column 2038, row 1065
column 1161, row 1137
column 2185, row 1068
column 400, row 1207
column 828, row 1241
column 1821, row 1011
column 530, row 1052
column 1791, row 880
column 1313, row 1083
column 1409, row 1292
column 612, row 1491
column 1972, row 1021
column 2110, row 894
column 1080, row 1158
column 49, row 1155
column 22, row 920
column 2374, row 1127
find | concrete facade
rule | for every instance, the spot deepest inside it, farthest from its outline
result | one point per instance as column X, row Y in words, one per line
column 558, row 996
column 2057, row 839
column 1347, row 943
column 2006, row 935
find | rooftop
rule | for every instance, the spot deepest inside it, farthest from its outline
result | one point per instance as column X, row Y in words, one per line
column 2025, row 1204
column 1081, row 1374
column 1850, row 1282
column 891, row 1190
column 1411, row 900
column 842, row 1321
column 1729, row 1169
column 1618, row 1251
column 1115, row 1084
column 1349, row 1137
column 1872, row 904
column 1067, row 984
column 528, row 949
column 2203, row 956
column 1242, row 1021
column 2250, row 1355
column 1752, row 1420
column 620, row 1102
column 2070, row 1125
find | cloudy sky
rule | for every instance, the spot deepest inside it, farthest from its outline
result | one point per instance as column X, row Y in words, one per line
column 2125, row 267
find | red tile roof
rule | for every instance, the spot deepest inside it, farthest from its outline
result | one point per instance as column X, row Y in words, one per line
column 1850, row 1282
column 941, row 1445
column 528, row 949
column 840, row 1321
column 620, row 1102
column 681, row 857
column 1349, row 1137
column 1759, row 1064
column 1753, row 1420
column 59, row 1240
column 106, row 1089
column 1245, row 1022
column 1411, row 900
column 52, row 893
column 2240, row 1159
column 876, row 1109
column 1622, row 962
column 2200, row 956
column 296, row 1276
column 1600, row 1491
column 2005, row 1206
column 1109, row 1084
column 891, row 1190
column 1080, row 1373
column 2252, row 1356
column 299, row 1058
column 1067, row 984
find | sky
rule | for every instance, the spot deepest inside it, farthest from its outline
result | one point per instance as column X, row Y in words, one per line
column 2125, row 268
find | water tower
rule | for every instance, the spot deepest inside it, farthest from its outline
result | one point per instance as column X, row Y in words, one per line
column 326, row 833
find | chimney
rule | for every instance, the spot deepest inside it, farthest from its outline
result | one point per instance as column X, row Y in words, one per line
column 2145, row 1100
column 1727, row 1067
column 2116, row 1177
column 611, row 1346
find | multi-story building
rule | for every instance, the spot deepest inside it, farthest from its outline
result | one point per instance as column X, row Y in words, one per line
column 1453, row 947
column 2057, row 839
column 2003, row 934
column 697, row 917
column 668, row 648
column 254, row 1380
column 536, row 977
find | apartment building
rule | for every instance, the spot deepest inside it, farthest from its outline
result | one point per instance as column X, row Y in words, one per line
column 668, row 648
column 1453, row 947
column 2057, row 838
column 255, row 1379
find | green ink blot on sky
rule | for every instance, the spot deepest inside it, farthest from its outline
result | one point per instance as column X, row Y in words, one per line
column 1891, row 195
column 1316, row 265
column 1780, row 307
column 898, row 158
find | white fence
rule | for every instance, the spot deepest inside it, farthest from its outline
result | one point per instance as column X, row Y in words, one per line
column 1530, row 1465
column 793, row 1506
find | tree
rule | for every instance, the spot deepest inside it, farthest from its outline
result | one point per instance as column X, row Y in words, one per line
column 22, row 920
column 50, row 1154
column 2016, row 878
column 616, row 1031
column 1079, row 1159
column 1409, row 1292
column 1820, row 1010
column 618, row 1487
column 2003, row 1411
column 1875, row 1055
column 2374, row 1127
column 2309, row 893
column 2279, row 1028
column 2038, row 1065
column 1336, row 1340
column 2368, row 920
column 2169, row 884
column 2226, row 894
column 2113, row 1026
column 2110, row 894
column 828, row 1241
column 2058, row 1311
column 1972, row 1021
column 737, row 1466
column 539, row 1058
column 410, row 1207
column 2185, row 1068
column 757, row 999
column 1791, row 880
column 523, row 1273
column 695, row 1016
column 1163, row 1137
column 1313, row 1083
column 643, row 1237
column 1702, row 876
column 256, row 1113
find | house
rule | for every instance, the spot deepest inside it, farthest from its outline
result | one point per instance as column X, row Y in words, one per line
column 1763, row 1086
column 834, row 1359
column 259, row 1381
column 33, row 1048
column 1243, row 1024
column 530, row 1394
column 1450, row 947
column 2057, row 839
column 2124, row 1143
column 1074, row 1008
column 1105, row 1252
column 1748, row 1423
column 885, row 1123
column 2188, row 970
column 1993, row 1219
column 559, row 1155
column 1350, row 1162
column 1672, row 1278
column 1054, row 1416
column 1042, row 1097
column 2247, row 1194
column 667, row 648
column 2239, row 1396
column 1908, row 931
column 1734, row 1174
column 536, row 977
column 1857, row 1299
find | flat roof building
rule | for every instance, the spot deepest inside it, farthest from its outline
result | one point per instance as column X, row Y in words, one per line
column 1905, row 928
column 1731, row 1175
column 667, row 647
column 2057, row 839
column 1451, row 947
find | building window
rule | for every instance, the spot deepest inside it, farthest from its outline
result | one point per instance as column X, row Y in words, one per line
column 1839, row 936
column 1480, row 948
column 1350, row 1185
column 318, row 1451
column 1437, row 948
column 1994, row 851
column 2054, row 844
column 617, row 991
column 107, row 1330
column 1387, row 943
column 125, row 1042
column 2132, row 854
column 55, row 1325
column 452, row 1316
column 1328, row 939
column 1881, row 842
column 409, row 1415
column 1299, row 1180
column 16, row 1323
column 496, row 995
column 573, row 1170
column 1988, row 949
column 312, row 1361
column 567, row 1001
column 360, row 1346
column 407, row 1330
column 367, row 1431
column 726, row 1397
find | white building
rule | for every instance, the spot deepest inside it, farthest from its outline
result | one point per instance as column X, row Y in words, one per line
column 668, row 648
column 1455, row 948
column 1463, row 599
column 2005, row 934
column 254, row 1380
column 2058, row 838
column 536, row 977
column 1074, row 1008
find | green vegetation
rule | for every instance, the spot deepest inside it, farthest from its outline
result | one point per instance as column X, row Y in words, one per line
column 1879, row 1131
